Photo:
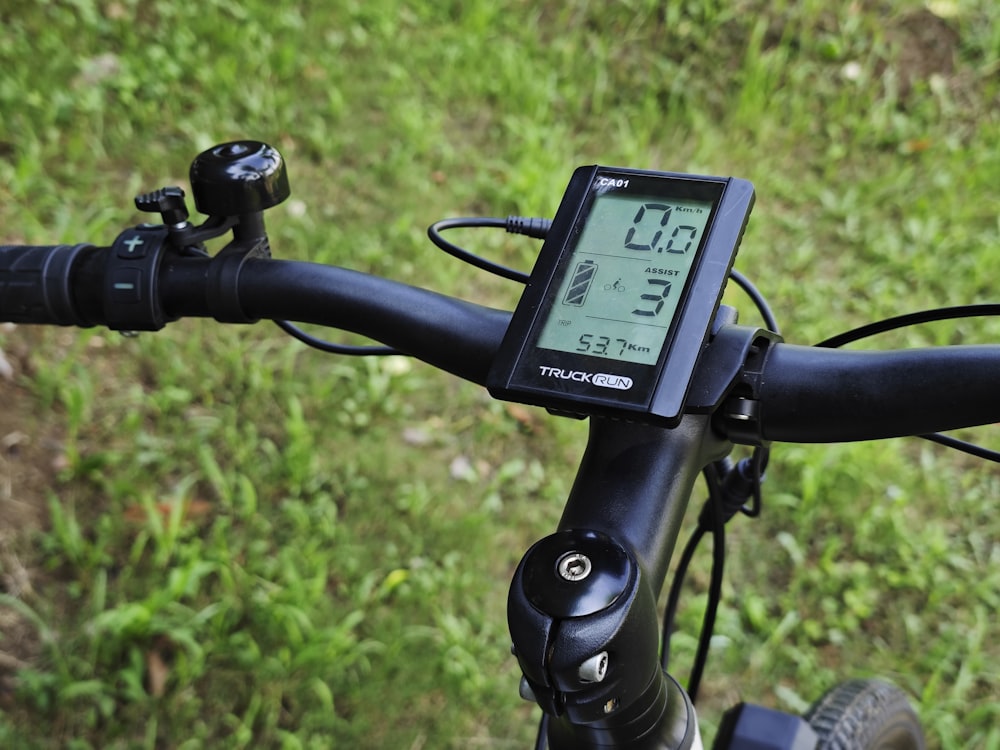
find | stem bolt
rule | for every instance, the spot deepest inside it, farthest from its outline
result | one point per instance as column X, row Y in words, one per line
column 574, row 566
column 525, row 691
column 595, row 669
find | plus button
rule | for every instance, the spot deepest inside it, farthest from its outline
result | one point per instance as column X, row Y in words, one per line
column 132, row 248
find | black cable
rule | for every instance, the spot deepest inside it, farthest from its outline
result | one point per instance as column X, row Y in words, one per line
column 718, row 529
column 542, row 739
column 911, row 319
column 960, row 445
column 670, row 611
column 531, row 227
column 757, row 465
column 758, row 299
column 331, row 348
column 918, row 318
column 729, row 487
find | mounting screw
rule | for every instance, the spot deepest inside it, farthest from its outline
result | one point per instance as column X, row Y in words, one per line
column 595, row 669
column 525, row 691
column 574, row 566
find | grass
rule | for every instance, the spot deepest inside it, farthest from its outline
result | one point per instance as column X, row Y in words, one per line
column 251, row 544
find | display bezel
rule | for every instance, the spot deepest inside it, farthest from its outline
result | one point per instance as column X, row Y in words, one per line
column 657, row 390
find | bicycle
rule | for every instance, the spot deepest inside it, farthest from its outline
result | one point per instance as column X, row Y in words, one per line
column 582, row 606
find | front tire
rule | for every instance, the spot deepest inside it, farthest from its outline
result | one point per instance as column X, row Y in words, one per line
column 865, row 715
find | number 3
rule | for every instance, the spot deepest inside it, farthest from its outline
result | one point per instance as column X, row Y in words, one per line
column 657, row 298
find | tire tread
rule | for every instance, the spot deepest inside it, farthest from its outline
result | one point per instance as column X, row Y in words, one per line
column 865, row 715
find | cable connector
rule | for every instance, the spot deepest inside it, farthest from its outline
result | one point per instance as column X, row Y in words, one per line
column 739, row 487
column 738, row 490
column 532, row 227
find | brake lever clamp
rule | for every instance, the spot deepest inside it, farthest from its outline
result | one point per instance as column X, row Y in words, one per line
column 729, row 376
column 237, row 181
column 233, row 184
column 185, row 237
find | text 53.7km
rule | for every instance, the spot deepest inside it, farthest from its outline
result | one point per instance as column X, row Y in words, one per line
column 601, row 345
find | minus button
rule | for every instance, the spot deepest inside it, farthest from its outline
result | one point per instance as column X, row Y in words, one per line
column 126, row 285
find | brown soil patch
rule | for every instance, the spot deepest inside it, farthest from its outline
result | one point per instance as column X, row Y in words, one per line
column 927, row 46
column 30, row 453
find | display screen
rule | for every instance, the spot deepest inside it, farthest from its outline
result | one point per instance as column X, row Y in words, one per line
column 620, row 285
column 620, row 303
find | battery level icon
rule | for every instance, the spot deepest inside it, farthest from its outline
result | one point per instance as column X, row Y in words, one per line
column 579, row 285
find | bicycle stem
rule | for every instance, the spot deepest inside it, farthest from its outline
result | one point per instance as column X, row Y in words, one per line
column 582, row 606
column 634, row 483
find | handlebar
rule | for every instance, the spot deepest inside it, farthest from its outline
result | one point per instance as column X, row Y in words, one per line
column 800, row 393
column 35, row 284
column 634, row 481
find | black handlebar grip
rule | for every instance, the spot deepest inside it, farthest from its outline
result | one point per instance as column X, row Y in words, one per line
column 35, row 284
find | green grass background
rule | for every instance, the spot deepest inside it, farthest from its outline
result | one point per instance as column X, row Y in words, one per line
column 251, row 544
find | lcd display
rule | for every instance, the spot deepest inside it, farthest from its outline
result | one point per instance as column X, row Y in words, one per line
column 620, row 303
column 621, row 284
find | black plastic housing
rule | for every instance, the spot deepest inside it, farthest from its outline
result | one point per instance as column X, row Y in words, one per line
column 750, row 727
column 652, row 393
